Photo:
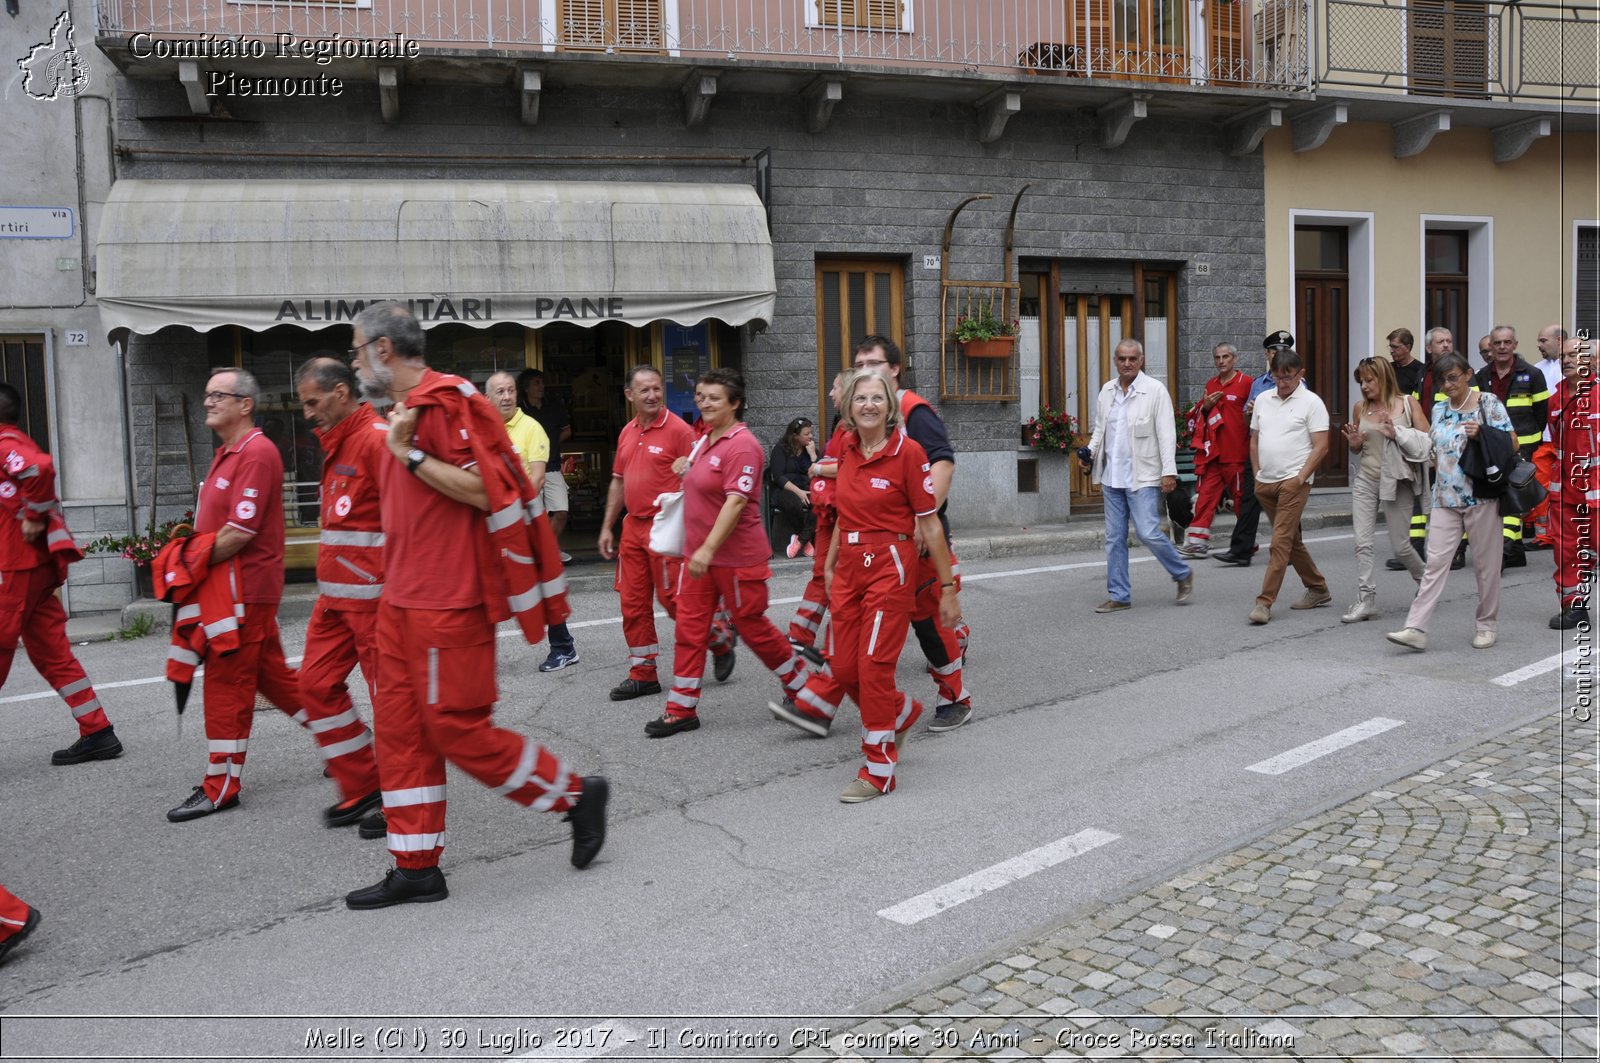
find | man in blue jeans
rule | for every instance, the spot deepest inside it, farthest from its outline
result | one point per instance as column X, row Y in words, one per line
column 1133, row 457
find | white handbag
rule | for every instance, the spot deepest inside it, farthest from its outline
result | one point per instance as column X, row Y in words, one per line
column 666, row 528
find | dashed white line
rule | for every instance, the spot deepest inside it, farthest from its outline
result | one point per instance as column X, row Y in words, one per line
column 943, row 898
column 1537, row 668
column 1321, row 747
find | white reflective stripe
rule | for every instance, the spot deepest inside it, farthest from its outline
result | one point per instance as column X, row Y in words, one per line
column 687, row 701
column 365, row 592
column 351, row 538
column 555, row 586
column 557, row 791
column 221, row 627
column 73, row 688
column 872, row 642
column 881, row 771
column 344, row 719
column 349, row 745
column 227, row 745
column 302, row 717
column 225, row 767
column 80, row 711
column 415, row 843
column 415, row 795
column 639, row 660
column 13, row 922
column 876, row 738
column 520, row 559
column 905, row 713
column 433, row 675
column 528, row 599
column 686, row 683
column 805, row 623
column 950, row 669
column 535, row 508
column 188, row 612
column 899, row 566
column 183, row 656
column 645, row 651
column 817, row 702
column 524, row 769
column 506, row 517
column 57, row 537
column 738, row 599
column 29, row 473
column 955, row 568
column 366, row 576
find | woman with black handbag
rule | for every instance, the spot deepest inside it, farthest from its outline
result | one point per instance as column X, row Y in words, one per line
column 1454, row 425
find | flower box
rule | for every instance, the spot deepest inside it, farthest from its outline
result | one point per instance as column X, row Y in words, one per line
column 994, row 347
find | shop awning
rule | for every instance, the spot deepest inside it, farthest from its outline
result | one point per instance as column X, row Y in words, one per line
column 312, row 253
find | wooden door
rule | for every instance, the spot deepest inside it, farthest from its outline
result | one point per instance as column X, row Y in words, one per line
column 1091, row 327
column 1322, row 333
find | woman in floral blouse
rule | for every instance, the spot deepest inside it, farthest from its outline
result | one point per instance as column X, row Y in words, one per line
column 1455, row 509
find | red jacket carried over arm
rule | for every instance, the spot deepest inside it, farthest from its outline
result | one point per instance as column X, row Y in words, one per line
column 209, row 610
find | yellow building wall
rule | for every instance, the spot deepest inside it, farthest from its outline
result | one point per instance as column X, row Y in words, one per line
column 1533, row 201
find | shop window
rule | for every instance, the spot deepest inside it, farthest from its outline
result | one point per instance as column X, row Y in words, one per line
column 626, row 25
column 22, row 366
column 855, row 299
column 1447, row 47
column 859, row 14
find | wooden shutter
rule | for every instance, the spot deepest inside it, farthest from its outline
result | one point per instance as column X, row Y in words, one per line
column 632, row 25
column 1447, row 46
column 1229, row 59
column 1092, row 34
column 859, row 14
column 639, row 24
column 581, row 23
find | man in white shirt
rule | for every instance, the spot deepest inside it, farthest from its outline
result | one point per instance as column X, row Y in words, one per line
column 1135, row 461
column 1288, row 440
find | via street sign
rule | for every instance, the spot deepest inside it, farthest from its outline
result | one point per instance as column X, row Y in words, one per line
column 36, row 223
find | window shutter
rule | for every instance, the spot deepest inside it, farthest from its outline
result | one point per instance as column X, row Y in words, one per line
column 1448, row 47
column 1229, row 53
column 859, row 14
column 582, row 23
column 1588, row 278
column 639, row 24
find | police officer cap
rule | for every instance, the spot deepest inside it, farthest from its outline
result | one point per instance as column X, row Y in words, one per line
column 1278, row 339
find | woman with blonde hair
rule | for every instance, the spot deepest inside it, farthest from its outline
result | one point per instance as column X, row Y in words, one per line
column 1388, row 433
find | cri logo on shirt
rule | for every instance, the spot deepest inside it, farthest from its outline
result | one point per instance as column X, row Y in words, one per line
column 880, row 483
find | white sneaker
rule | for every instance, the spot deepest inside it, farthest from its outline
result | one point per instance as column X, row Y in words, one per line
column 1410, row 638
column 1482, row 640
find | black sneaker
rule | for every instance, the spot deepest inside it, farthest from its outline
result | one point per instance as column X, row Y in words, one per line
column 814, row 657
column 631, row 688
column 16, row 939
column 352, row 811
column 949, row 717
column 722, row 665
column 374, row 826
column 588, row 819
column 1574, row 616
column 198, row 804
column 102, row 745
column 401, row 886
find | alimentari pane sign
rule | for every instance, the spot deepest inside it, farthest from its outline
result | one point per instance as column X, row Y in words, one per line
column 446, row 308
column 36, row 223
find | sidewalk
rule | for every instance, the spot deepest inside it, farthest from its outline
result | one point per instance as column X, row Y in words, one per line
column 590, row 572
column 1450, row 915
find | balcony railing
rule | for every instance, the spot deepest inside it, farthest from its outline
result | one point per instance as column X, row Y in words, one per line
column 1238, row 43
column 1465, row 49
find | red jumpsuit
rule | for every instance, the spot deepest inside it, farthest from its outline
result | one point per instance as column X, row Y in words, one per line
column 1228, row 455
column 14, row 913
column 244, row 490
column 878, row 500
column 343, row 628
column 737, row 576
column 1575, row 490
column 807, row 622
column 436, row 652
column 30, row 612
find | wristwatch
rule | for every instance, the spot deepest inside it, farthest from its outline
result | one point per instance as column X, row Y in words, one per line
column 414, row 457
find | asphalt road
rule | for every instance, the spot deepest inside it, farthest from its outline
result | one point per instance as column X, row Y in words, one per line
column 1105, row 751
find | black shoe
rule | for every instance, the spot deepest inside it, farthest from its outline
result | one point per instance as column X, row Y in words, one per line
column 1459, row 562
column 1538, row 544
column 374, row 826
column 16, row 939
column 348, row 812
column 629, row 689
column 198, row 804
column 102, row 745
column 401, row 886
column 671, row 725
column 1394, row 564
column 588, row 819
column 1571, row 617
column 1513, row 559
column 1233, row 559
column 722, row 666
column 814, row 657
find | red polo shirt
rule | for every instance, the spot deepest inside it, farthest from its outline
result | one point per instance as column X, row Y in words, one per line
column 244, row 489
column 730, row 466
column 644, row 460
column 886, row 492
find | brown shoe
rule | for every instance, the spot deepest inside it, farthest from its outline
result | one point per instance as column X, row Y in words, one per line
column 1111, row 605
column 1313, row 600
column 1185, row 589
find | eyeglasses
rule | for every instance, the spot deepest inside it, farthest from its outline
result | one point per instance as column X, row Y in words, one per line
column 865, row 363
column 218, row 396
column 1396, row 346
column 353, row 351
column 868, row 400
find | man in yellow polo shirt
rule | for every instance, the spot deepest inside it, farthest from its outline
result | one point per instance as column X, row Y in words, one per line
column 533, row 445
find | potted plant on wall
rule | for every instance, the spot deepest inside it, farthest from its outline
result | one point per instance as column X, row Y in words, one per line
column 1053, row 431
column 983, row 335
column 141, row 548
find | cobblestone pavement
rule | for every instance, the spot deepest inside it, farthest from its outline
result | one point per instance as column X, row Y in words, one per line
column 1451, row 915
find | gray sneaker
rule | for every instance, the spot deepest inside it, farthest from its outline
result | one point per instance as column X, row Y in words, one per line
column 949, row 717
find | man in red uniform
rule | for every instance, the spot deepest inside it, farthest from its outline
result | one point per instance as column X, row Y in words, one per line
column 241, row 501
column 17, row 920
column 447, row 583
column 1575, row 489
column 343, row 628
column 646, row 449
column 35, row 550
column 1227, row 435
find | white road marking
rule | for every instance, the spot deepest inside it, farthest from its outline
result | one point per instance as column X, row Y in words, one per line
column 1321, row 747
column 1511, row 679
column 611, row 1036
column 512, row 631
column 978, row 883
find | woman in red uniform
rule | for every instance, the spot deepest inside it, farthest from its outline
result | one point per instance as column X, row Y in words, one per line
column 882, row 494
column 726, row 551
